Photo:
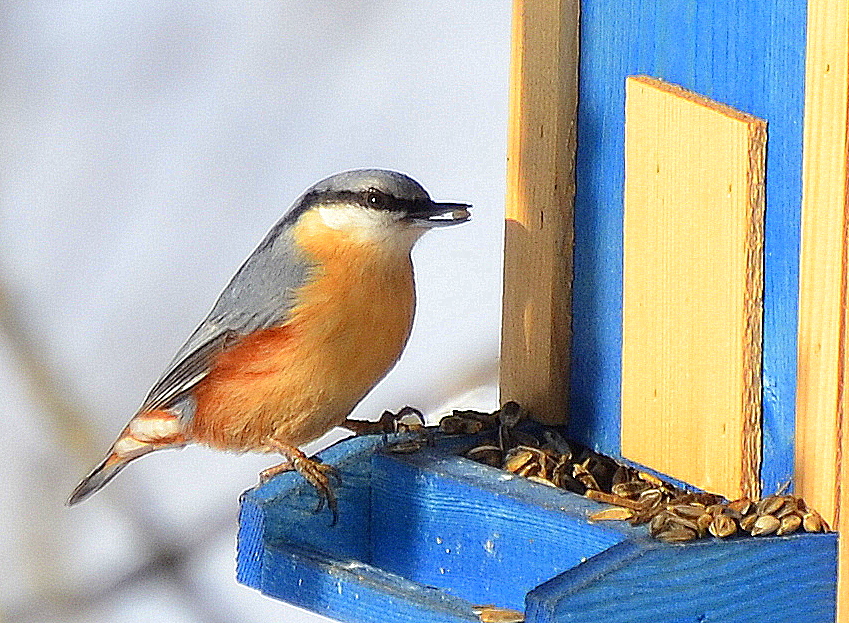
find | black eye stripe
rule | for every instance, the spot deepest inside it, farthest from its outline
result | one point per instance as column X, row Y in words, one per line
column 371, row 198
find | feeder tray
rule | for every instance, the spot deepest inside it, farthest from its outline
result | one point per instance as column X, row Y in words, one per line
column 430, row 535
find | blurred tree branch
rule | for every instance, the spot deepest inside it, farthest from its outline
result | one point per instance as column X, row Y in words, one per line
column 72, row 428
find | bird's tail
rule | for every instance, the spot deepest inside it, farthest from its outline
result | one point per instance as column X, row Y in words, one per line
column 146, row 432
column 98, row 478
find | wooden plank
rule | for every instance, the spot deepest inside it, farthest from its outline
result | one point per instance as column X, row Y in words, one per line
column 733, row 581
column 841, row 523
column 265, row 517
column 540, row 189
column 822, row 279
column 434, row 533
column 692, row 287
column 476, row 534
column 822, row 474
column 749, row 55
column 354, row 592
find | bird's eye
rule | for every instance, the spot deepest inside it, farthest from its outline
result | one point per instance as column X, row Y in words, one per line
column 376, row 199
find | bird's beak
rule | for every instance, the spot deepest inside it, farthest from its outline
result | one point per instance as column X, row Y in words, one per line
column 433, row 214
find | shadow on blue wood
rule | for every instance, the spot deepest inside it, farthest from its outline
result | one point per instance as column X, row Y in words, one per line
column 423, row 537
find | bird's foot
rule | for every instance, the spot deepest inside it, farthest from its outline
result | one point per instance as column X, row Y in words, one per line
column 407, row 419
column 267, row 474
column 315, row 472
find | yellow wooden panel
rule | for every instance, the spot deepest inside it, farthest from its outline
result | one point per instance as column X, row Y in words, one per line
column 693, row 283
column 538, row 236
column 822, row 432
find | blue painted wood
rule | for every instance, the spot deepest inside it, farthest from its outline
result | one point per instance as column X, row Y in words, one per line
column 461, row 525
column 748, row 54
column 350, row 590
column 777, row 579
column 423, row 537
column 284, row 508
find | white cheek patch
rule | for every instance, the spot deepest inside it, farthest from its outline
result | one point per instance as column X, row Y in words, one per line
column 379, row 227
column 362, row 220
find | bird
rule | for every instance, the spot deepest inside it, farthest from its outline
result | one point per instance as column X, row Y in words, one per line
column 311, row 322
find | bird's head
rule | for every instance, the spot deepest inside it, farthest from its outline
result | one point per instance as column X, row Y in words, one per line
column 379, row 206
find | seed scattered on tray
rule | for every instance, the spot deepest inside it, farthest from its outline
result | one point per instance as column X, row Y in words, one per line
column 671, row 513
column 494, row 614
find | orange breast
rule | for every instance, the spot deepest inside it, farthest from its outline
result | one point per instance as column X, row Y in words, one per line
column 297, row 381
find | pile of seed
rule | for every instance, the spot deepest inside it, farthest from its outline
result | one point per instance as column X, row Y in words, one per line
column 672, row 514
column 688, row 516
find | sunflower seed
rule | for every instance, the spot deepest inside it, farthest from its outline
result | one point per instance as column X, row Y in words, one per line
column 748, row 522
column 722, row 526
column 517, row 458
column 493, row 614
column 542, row 481
column 486, row 454
column 676, row 534
column 742, row 506
column 789, row 524
column 630, row 489
column 764, row 525
column 612, row 514
column 456, row 425
column 813, row 522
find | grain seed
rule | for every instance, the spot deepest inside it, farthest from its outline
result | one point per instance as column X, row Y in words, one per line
column 770, row 505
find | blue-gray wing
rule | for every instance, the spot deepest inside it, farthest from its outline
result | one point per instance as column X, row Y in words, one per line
column 260, row 295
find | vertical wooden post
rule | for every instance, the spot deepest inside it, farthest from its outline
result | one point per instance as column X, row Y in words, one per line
column 822, row 429
column 536, row 315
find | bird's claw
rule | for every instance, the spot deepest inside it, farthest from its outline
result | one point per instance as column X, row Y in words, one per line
column 267, row 474
column 319, row 475
column 315, row 472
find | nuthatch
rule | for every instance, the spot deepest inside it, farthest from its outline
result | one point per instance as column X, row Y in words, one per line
column 313, row 319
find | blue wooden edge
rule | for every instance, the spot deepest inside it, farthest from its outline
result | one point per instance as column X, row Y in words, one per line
column 425, row 536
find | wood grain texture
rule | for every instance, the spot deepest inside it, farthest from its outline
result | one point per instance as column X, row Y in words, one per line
column 284, row 508
column 750, row 55
column 424, row 536
column 842, row 522
column 540, row 188
column 351, row 591
column 465, row 527
column 822, row 475
column 735, row 581
column 692, row 288
column 822, row 292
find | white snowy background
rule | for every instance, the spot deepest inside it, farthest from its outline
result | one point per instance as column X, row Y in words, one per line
column 147, row 146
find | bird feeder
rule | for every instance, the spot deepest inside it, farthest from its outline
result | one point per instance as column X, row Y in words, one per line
column 674, row 296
